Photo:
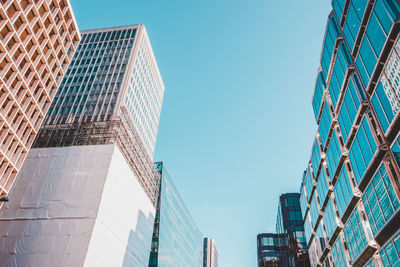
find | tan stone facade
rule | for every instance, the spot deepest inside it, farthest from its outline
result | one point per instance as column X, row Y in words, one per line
column 37, row 42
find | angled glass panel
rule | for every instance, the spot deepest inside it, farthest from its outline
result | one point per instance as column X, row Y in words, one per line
column 338, row 6
column 355, row 235
column 322, row 186
column 309, row 182
column 318, row 94
column 380, row 200
column 314, row 210
column 343, row 60
column 362, row 150
column 332, row 33
column 353, row 21
column 316, row 156
column 390, row 253
column 325, row 124
column 303, row 202
column 351, row 103
column 338, row 256
column 343, row 191
column 333, row 155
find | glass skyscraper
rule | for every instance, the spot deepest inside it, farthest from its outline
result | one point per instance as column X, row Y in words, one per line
column 176, row 239
column 210, row 253
column 287, row 247
column 111, row 93
column 350, row 188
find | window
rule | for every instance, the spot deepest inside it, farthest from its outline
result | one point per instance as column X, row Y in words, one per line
column 338, row 255
column 318, row 94
column 330, row 220
column 390, row 254
column 380, row 200
column 355, row 235
column 333, row 155
column 353, row 21
column 325, row 124
column 351, row 103
column 362, row 150
column 343, row 191
column 322, row 186
column 332, row 33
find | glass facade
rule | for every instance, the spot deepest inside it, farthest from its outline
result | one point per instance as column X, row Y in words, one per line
column 176, row 239
column 113, row 69
column 350, row 198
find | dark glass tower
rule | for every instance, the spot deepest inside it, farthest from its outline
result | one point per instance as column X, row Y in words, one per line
column 287, row 247
column 350, row 188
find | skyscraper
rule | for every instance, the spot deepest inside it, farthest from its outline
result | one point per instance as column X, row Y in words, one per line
column 210, row 253
column 287, row 247
column 87, row 193
column 177, row 241
column 37, row 42
column 350, row 189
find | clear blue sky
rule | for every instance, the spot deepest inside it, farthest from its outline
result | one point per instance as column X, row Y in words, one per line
column 237, row 125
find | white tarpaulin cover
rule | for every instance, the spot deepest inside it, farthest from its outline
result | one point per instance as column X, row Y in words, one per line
column 76, row 206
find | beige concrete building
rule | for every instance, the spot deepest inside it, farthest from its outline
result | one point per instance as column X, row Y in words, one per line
column 37, row 42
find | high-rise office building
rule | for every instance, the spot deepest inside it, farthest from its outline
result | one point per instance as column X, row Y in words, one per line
column 37, row 42
column 287, row 247
column 210, row 253
column 350, row 189
column 177, row 241
column 87, row 193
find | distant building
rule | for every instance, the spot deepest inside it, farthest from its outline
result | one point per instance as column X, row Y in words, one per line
column 269, row 248
column 176, row 239
column 287, row 247
column 37, row 42
column 87, row 193
column 210, row 253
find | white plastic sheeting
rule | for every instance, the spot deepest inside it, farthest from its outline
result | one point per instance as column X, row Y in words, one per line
column 76, row 206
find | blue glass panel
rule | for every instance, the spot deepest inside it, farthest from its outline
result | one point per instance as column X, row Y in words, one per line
column 333, row 155
column 390, row 253
column 343, row 191
column 355, row 235
column 309, row 183
column 362, row 150
column 375, row 33
column 325, row 124
column 307, row 227
column 338, row 6
column 314, row 210
column 303, row 202
column 338, row 256
column 380, row 200
column 330, row 39
column 315, row 157
column 318, row 93
column 330, row 219
column 322, row 186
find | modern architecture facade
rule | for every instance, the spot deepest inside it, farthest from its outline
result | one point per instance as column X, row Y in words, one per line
column 210, row 253
column 112, row 93
column 350, row 188
column 87, row 194
column 287, row 247
column 177, row 241
column 37, row 42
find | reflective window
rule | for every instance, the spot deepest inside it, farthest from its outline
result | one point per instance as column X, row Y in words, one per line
column 338, row 6
column 362, row 150
column 390, row 254
column 309, row 182
column 325, row 124
column 343, row 191
column 318, row 94
column 353, row 20
column 381, row 20
column 316, row 156
column 380, row 200
column 386, row 98
column 322, row 186
column 314, row 210
column 338, row 256
column 355, row 235
column 307, row 227
column 333, row 155
column 351, row 103
column 343, row 60
column 330, row 220
column 303, row 201
column 332, row 33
